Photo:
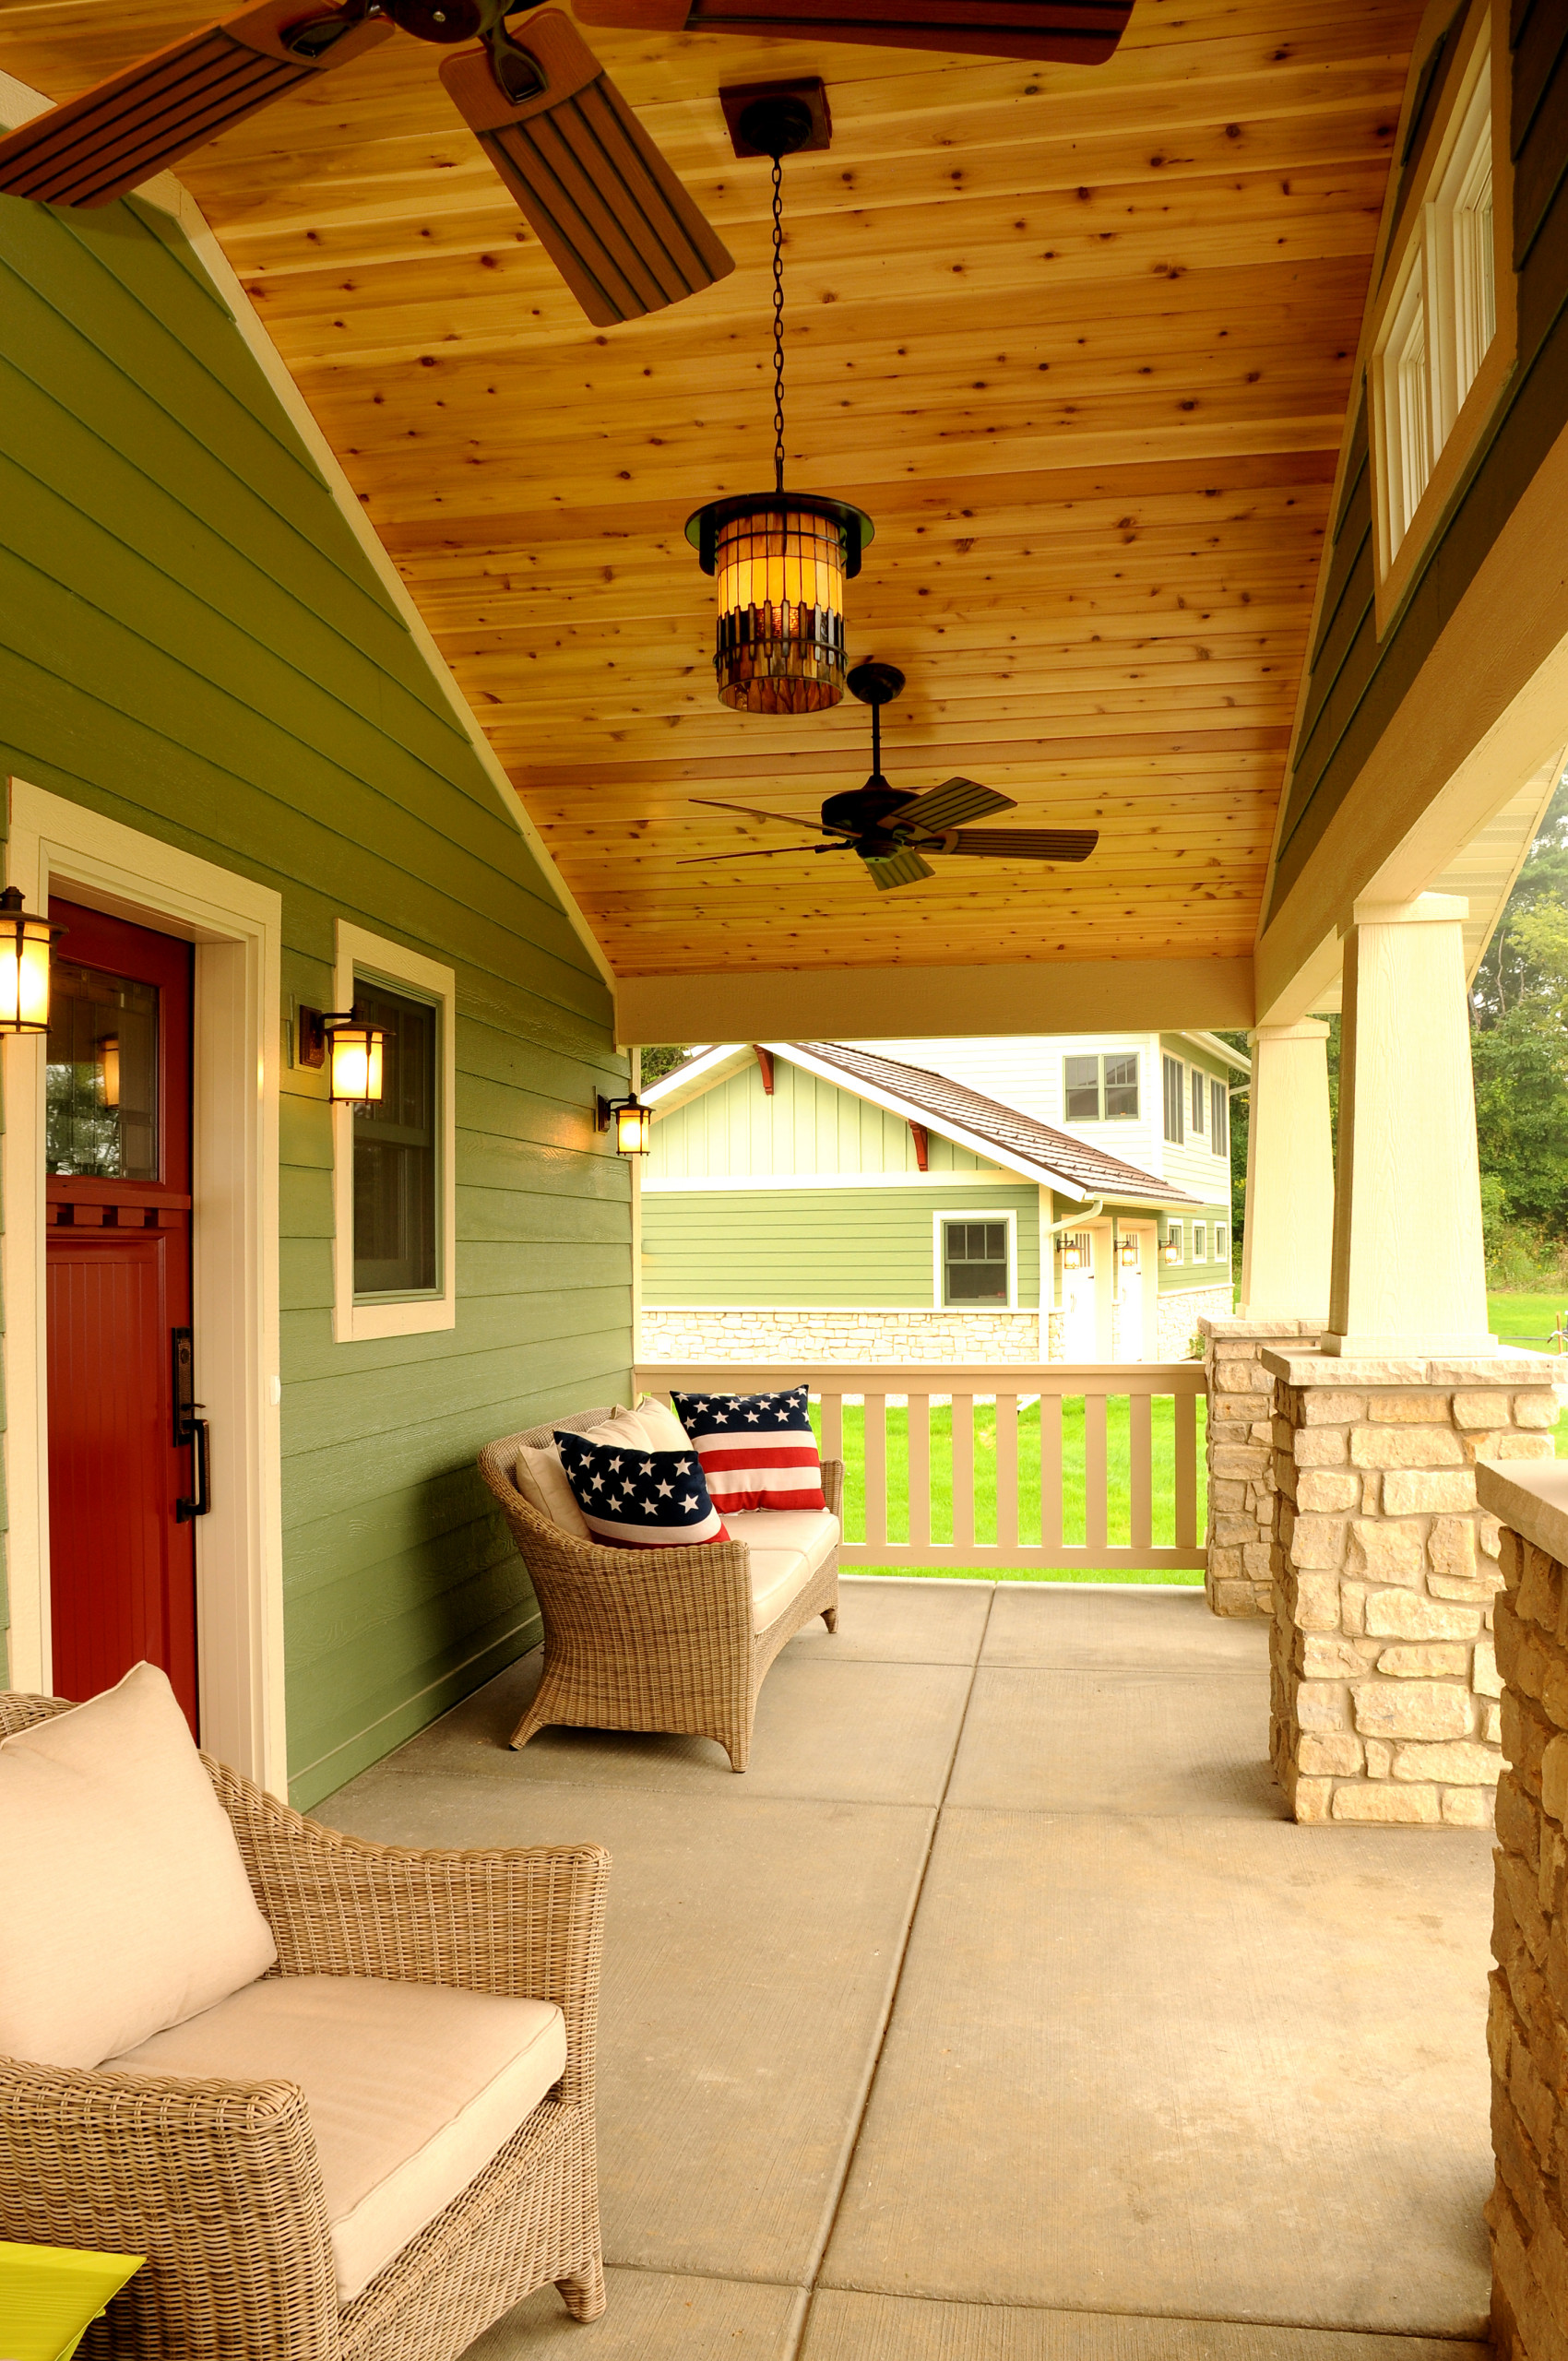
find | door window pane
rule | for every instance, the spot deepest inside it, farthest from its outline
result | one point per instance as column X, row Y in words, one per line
column 974, row 1257
column 101, row 1089
column 1082, row 1089
column 1121, row 1086
column 394, row 1152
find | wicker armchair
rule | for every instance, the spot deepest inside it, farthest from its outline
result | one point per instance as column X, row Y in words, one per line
column 218, row 2184
column 649, row 1639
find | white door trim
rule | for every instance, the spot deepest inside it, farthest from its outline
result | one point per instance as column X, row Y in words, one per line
column 61, row 847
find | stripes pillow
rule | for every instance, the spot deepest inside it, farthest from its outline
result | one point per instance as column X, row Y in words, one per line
column 638, row 1499
column 757, row 1450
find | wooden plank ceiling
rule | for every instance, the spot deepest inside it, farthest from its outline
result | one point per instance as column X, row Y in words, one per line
column 1079, row 339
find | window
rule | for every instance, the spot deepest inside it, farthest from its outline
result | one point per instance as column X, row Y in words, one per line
column 1173, row 1076
column 1448, row 289
column 1101, row 1090
column 1200, row 1241
column 1199, row 1085
column 1219, row 1118
column 1221, row 1242
column 976, row 1261
column 394, row 1152
column 394, row 1244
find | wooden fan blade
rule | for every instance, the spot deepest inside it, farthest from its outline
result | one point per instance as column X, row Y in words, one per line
column 949, row 805
column 1021, row 844
column 751, row 812
column 900, row 869
column 591, row 183
column 1071, row 32
column 97, row 146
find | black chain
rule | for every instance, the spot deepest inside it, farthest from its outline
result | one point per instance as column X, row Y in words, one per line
column 778, row 321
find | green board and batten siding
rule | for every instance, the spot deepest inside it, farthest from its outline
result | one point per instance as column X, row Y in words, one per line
column 193, row 643
column 737, row 1131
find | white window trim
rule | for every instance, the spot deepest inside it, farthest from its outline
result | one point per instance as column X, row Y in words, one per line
column 1103, row 1059
column 1179, row 1138
column 57, row 846
column 989, row 1213
column 1222, row 1242
column 1200, row 1241
column 1423, row 272
column 378, row 961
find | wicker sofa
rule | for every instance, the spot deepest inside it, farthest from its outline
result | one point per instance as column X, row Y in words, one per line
column 218, row 2182
column 652, row 1639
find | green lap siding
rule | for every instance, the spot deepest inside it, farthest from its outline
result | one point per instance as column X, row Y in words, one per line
column 793, row 1249
column 194, row 644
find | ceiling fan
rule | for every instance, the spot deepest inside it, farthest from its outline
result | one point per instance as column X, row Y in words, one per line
column 893, row 832
column 601, row 198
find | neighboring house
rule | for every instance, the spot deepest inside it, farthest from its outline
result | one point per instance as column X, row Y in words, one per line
column 1055, row 1197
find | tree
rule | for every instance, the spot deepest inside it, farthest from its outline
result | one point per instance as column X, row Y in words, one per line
column 1519, row 1053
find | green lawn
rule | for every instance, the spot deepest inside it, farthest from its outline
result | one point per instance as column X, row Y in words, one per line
column 1118, row 1504
column 1529, row 1320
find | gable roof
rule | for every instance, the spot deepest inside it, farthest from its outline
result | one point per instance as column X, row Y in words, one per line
column 1017, row 1141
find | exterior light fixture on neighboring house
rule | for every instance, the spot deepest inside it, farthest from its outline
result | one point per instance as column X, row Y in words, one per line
column 781, row 559
column 1172, row 1247
column 24, row 965
column 1071, row 1258
column 356, row 1052
column 633, row 1122
column 109, row 1068
column 1128, row 1250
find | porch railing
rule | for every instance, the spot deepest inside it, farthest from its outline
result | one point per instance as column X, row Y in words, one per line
column 1038, row 1465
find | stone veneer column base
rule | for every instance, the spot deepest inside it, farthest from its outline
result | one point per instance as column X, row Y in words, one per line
column 1241, row 1455
column 1527, row 2021
column 1385, row 1683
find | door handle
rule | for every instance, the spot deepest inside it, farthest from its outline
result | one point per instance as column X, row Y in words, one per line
column 190, row 1433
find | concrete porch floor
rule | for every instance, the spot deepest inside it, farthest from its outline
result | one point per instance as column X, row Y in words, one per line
column 996, row 2014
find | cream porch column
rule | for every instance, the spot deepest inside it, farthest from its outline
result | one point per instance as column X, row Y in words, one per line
column 1384, row 1568
column 1286, row 1249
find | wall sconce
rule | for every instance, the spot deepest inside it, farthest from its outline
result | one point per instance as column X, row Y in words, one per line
column 632, row 1122
column 1172, row 1247
column 1071, row 1257
column 1128, row 1254
column 109, row 1069
column 356, row 1050
column 24, row 965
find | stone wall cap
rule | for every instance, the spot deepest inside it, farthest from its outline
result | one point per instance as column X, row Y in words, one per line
column 1530, row 1495
column 1246, row 1328
column 1334, row 1368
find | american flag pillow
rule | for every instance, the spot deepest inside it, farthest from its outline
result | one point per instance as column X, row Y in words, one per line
column 636, row 1498
column 757, row 1450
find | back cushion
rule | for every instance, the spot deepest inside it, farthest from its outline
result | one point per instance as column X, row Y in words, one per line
column 126, row 1907
column 758, row 1450
column 542, row 1480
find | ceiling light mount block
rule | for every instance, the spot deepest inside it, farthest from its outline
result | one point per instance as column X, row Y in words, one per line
column 778, row 118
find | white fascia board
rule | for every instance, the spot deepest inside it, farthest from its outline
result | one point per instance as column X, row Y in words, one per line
column 908, row 1113
column 1218, row 1049
column 690, row 1080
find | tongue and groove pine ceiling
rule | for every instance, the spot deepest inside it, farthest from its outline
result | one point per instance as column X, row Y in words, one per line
column 1079, row 339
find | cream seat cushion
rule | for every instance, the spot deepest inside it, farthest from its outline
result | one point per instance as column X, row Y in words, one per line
column 786, row 1547
column 412, row 2088
column 124, row 1903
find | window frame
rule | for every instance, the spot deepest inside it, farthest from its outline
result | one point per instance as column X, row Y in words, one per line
column 1422, row 272
column 1200, row 1102
column 1219, row 1118
column 1222, row 1242
column 1006, row 1214
column 1200, row 1241
column 358, row 1319
column 1102, row 1058
column 1174, row 1090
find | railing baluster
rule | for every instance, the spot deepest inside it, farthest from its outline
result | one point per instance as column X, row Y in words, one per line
column 918, row 1416
column 832, row 1426
column 1007, row 1472
column 1051, row 1474
column 963, row 1473
column 876, row 1470
column 1094, row 1471
column 1140, row 1469
column 1186, row 1457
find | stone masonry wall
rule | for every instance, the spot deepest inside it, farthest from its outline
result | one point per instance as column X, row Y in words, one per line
column 1179, row 1317
column 704, row 1334
column 1385, row 1683
column 1241, row 1457
column 1527, row 2023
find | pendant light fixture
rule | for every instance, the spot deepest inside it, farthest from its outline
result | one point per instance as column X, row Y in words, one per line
column 781, row 559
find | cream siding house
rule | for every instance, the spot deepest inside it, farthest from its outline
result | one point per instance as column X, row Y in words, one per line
column 821, row 1201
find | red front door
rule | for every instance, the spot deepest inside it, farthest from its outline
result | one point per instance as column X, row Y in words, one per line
column 121, row 1559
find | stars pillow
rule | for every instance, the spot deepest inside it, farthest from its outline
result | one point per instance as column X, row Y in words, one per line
column 634, row 1498
column 757, row 1450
